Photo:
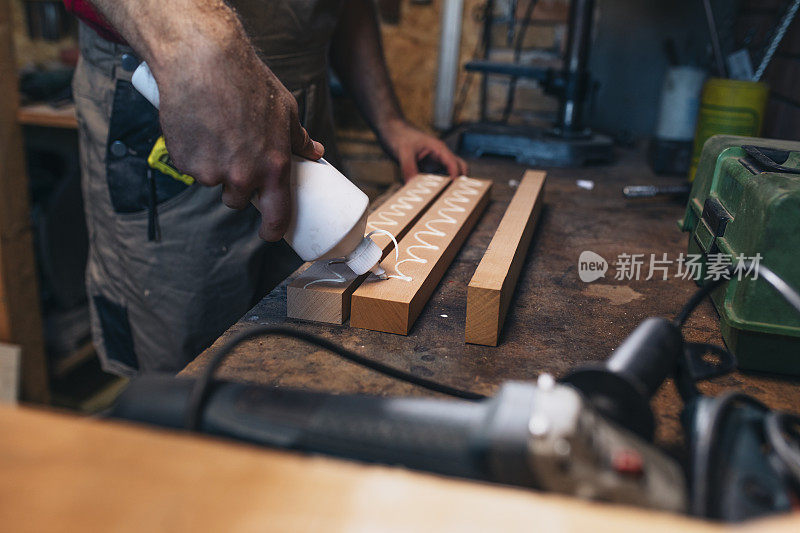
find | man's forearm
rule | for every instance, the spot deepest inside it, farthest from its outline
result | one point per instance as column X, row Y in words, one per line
column 357, row 55
column 358, row 59
column 168, row 33
column 216, row 96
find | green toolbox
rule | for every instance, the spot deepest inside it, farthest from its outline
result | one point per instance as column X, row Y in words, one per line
column 745, row 203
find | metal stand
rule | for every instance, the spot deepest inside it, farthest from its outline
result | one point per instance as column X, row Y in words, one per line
column 569, row 142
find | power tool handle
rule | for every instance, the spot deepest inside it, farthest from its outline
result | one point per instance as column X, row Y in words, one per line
column 422, row 433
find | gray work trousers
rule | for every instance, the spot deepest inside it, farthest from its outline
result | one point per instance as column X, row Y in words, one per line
column 157, row 301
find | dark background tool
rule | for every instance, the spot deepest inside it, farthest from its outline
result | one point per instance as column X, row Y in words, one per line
column 569, row 142
column 544, row 435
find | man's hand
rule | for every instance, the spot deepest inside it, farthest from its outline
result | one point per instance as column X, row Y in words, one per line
column 238, row 126
column 357, row 55
column 408, row 146
column 226, row 118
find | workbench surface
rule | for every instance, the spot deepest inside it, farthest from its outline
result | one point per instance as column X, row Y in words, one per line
column 555, row 322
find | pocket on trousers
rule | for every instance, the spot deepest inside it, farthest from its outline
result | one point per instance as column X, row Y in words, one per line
column 117, row 335
column 133, row 130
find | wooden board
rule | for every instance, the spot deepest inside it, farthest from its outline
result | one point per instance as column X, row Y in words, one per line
column 20, row 315
column 48, row 116
column 322, row 292
column 68, row 474
column 489, row 292
column 425, row 253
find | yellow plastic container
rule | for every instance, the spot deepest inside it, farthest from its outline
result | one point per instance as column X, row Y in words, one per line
column 728, row 107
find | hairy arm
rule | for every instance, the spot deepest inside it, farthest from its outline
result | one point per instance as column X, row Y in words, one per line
column 226, row 118
column 163, row 32
column 357, row 55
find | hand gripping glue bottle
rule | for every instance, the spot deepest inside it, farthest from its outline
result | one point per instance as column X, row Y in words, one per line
column 329, row 213
column 329, row 218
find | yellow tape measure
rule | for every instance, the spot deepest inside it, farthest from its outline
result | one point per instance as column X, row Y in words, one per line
column 159, row 160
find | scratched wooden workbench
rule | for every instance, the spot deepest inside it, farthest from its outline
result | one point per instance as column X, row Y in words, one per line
column 556, row 322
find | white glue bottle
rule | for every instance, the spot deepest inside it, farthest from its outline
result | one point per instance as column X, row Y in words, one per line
column 329, row 213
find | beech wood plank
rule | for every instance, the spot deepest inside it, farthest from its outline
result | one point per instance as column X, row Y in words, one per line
column 426, row 251
column 490, row 290
column 310, row 298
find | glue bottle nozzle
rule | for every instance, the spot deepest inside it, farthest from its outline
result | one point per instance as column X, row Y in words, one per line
column 379, row 271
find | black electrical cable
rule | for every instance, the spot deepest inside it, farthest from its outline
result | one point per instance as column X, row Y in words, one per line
column 706, row 456
column 692, row 368
column 695, row 300
column 779, row 429
column 201, row 387
column 684, row 379
column 789, row 294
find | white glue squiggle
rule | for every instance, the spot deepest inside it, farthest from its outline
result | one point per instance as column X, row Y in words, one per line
column 391, row 236
column 338, row 279
column 460, row 192
column 425, row 186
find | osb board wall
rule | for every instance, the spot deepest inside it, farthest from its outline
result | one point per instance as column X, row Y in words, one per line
column 33, row 52
column 412, row 49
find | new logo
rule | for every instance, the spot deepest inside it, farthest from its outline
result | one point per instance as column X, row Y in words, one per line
column 591, row 266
